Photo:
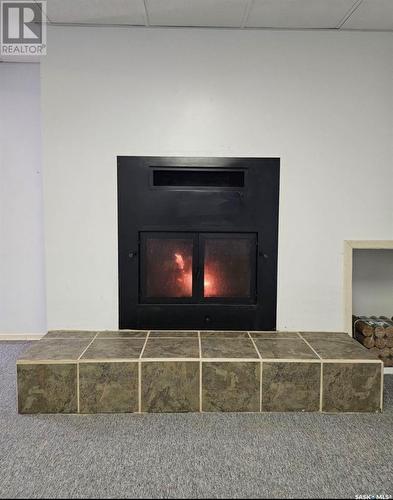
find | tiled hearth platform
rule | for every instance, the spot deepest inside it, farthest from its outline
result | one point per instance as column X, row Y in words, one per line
column 172, row 371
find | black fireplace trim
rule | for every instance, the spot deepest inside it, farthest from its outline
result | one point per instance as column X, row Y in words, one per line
column 252, row 208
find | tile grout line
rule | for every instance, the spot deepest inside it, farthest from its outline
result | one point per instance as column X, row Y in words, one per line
column 260, row 371
column 351, row 361
column 321, row 390
column 84, row 350
column 77, row 374
column 47, row 362
column 178, row 337
column 382, row 381
column 261, row 394
column 279, row 339
column 200, row 371
column 17, row 388
column 217, row 360
column 140, row 373
column 195, row 359
column 144, row 345
column 321, row 372
column 77, row 389
column 309, row 345
column 255, row 346
column 72, row 339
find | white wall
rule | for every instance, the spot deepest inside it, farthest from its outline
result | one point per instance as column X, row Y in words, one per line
column 372, row 285
column 22, row 282
column 322, row 101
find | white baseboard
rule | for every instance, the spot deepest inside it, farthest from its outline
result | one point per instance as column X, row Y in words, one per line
column 388, row 370
column 20, row 337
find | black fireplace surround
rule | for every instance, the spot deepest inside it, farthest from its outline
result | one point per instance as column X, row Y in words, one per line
column 197, row 242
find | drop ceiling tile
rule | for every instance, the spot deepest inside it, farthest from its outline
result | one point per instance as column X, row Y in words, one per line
column 220, row 13
column 130, row 12
column 298, row 13
column 372, row 15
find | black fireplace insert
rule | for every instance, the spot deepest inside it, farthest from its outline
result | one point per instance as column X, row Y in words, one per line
column 197, row 242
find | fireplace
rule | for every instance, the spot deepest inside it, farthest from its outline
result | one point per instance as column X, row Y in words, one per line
column 197, row 242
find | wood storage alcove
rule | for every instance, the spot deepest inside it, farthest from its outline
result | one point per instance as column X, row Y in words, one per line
column 370, row 337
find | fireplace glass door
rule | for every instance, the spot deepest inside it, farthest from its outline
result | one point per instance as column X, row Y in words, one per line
column 228, row 265
column 167, row 266
column 197, row 267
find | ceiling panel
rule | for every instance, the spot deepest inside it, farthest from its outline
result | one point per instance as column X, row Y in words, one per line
column 298, row 13
column 291, row 14
column 130, row 12
column 372, row 15
column 218, row 13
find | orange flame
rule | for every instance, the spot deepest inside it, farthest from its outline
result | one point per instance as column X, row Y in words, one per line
column 185, row 278
column 209, row 284
column 179, row 261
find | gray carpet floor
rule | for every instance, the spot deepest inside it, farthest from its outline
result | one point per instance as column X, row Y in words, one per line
column 191, row 455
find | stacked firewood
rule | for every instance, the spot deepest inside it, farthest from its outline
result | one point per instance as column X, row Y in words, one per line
column 376, row 334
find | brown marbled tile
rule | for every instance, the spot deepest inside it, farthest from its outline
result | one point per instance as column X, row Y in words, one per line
column 54, row 350
column 70, row 334
column 340, row 347
column 173, row 334
column 170, row 386
column 274, row 335
column 107, row 349
column 171, row 348
column 228, row 348
column 122, row 334
column 291, row 386
column 290, row 349
column 47, row 388
column 108, row 387
column 230, row 386
column 225, row 334
column 324, row 335
column 351, row 387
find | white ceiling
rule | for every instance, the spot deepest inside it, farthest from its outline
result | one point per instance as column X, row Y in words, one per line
column 264, row 14
column 212, row 13
column 129, row 12
column 299, row 14
column 372, row 14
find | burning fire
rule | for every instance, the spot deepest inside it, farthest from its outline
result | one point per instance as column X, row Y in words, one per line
column 185, row 278
column 179, row 261
column 210, row 288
